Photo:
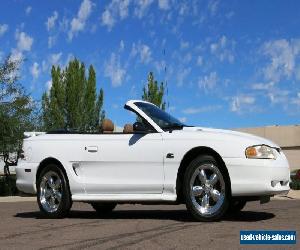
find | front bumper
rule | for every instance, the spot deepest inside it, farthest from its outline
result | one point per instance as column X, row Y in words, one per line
column 258, row 177
column 26, row 177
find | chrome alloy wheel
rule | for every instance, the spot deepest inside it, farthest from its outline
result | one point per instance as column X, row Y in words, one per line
column 207, row 189
column 50, row 191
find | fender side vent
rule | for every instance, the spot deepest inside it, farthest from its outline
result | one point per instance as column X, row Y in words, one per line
column 75, row 166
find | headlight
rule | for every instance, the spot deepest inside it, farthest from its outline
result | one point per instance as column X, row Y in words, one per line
column 260, row 152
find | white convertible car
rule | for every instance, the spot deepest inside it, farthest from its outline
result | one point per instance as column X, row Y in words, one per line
column 157, row 160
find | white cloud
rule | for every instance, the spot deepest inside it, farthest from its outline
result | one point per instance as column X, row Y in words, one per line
column 208, row 82
column 141, row 7
column 69, row 58
column 164, row 4
column 114, row 70
column 78, row 23
column 230, row 14
column 108, row 19
column 160, row 66
column 184, row 45
column 28, row 10
column 262, row 86
column 48, row 85
column 24, row 41
column 296, row 100
column 123, row 8
column 210, row 108
column 200, row 61
column 223, row 49
column 181, row 75
column 298, row 73
column 277, row 96
column 241, row 102
column 51, row 41
column 117, row 9
column 187, row 58
column 282, row 55
column 35, row 70
column 183, row 9
column 64, row 24
column 143, row 51
column 55, row 58
column 122, row 46
column 50, row 24
column 16, row 55
column 52, row 59
column 3, row 29
column 213, row 6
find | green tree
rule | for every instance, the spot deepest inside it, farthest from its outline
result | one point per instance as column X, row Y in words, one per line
column 57, row 96
column 72, row 101
column 100, row 114
column 154, row 92
column 75, row 87
column 16, row 113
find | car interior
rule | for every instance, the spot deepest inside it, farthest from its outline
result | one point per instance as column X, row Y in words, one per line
column 108, row 127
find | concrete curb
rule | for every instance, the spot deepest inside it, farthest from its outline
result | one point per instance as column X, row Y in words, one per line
column 16, row 199
column 292, row 195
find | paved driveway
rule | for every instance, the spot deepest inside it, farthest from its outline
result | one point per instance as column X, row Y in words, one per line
column 139, row 227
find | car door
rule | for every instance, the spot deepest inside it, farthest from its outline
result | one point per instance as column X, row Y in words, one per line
column 123, row 164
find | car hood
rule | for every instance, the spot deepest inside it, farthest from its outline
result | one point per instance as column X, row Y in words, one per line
column 255, row 140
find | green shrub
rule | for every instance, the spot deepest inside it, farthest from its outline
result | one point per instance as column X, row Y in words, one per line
column 295, row 184
column 8, row 186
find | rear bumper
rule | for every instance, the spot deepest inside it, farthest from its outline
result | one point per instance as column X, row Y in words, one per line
column 257, row 177
column 26, row 177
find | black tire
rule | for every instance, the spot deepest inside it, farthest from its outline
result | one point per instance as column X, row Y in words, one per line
column 103, row 208
column 64, row 206
column 236, row 206
column 193, row 203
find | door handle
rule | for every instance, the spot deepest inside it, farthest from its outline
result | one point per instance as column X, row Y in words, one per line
column 91, row 149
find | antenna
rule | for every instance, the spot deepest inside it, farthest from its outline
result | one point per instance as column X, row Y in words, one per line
column 166, row 79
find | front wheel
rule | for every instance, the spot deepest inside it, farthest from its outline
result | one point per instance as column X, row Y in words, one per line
column 206, row 188
column 53, row 195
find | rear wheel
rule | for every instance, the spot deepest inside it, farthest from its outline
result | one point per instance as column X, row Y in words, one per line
column 103, row 208
column 53, row 195
column 206, row 189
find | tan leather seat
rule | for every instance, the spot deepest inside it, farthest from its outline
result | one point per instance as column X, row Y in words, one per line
column 128, row 129
column 107, row 126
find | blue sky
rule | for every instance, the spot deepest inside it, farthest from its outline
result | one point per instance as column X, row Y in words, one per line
column 228, row 63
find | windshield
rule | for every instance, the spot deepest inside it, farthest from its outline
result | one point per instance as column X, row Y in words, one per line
column 160, row 117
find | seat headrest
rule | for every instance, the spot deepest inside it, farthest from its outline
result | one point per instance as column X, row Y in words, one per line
column 107, row 126
column 128, row 129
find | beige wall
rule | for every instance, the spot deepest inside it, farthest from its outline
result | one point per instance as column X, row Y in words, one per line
column 287, row 137
column 293, row 156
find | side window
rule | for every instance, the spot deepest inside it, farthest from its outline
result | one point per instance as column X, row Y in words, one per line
column 149, row 128
column 140, row 119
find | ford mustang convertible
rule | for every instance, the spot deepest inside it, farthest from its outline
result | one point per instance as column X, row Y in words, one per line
column 155, row 160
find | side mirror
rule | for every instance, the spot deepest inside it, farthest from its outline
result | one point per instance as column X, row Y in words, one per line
column 139, row 127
